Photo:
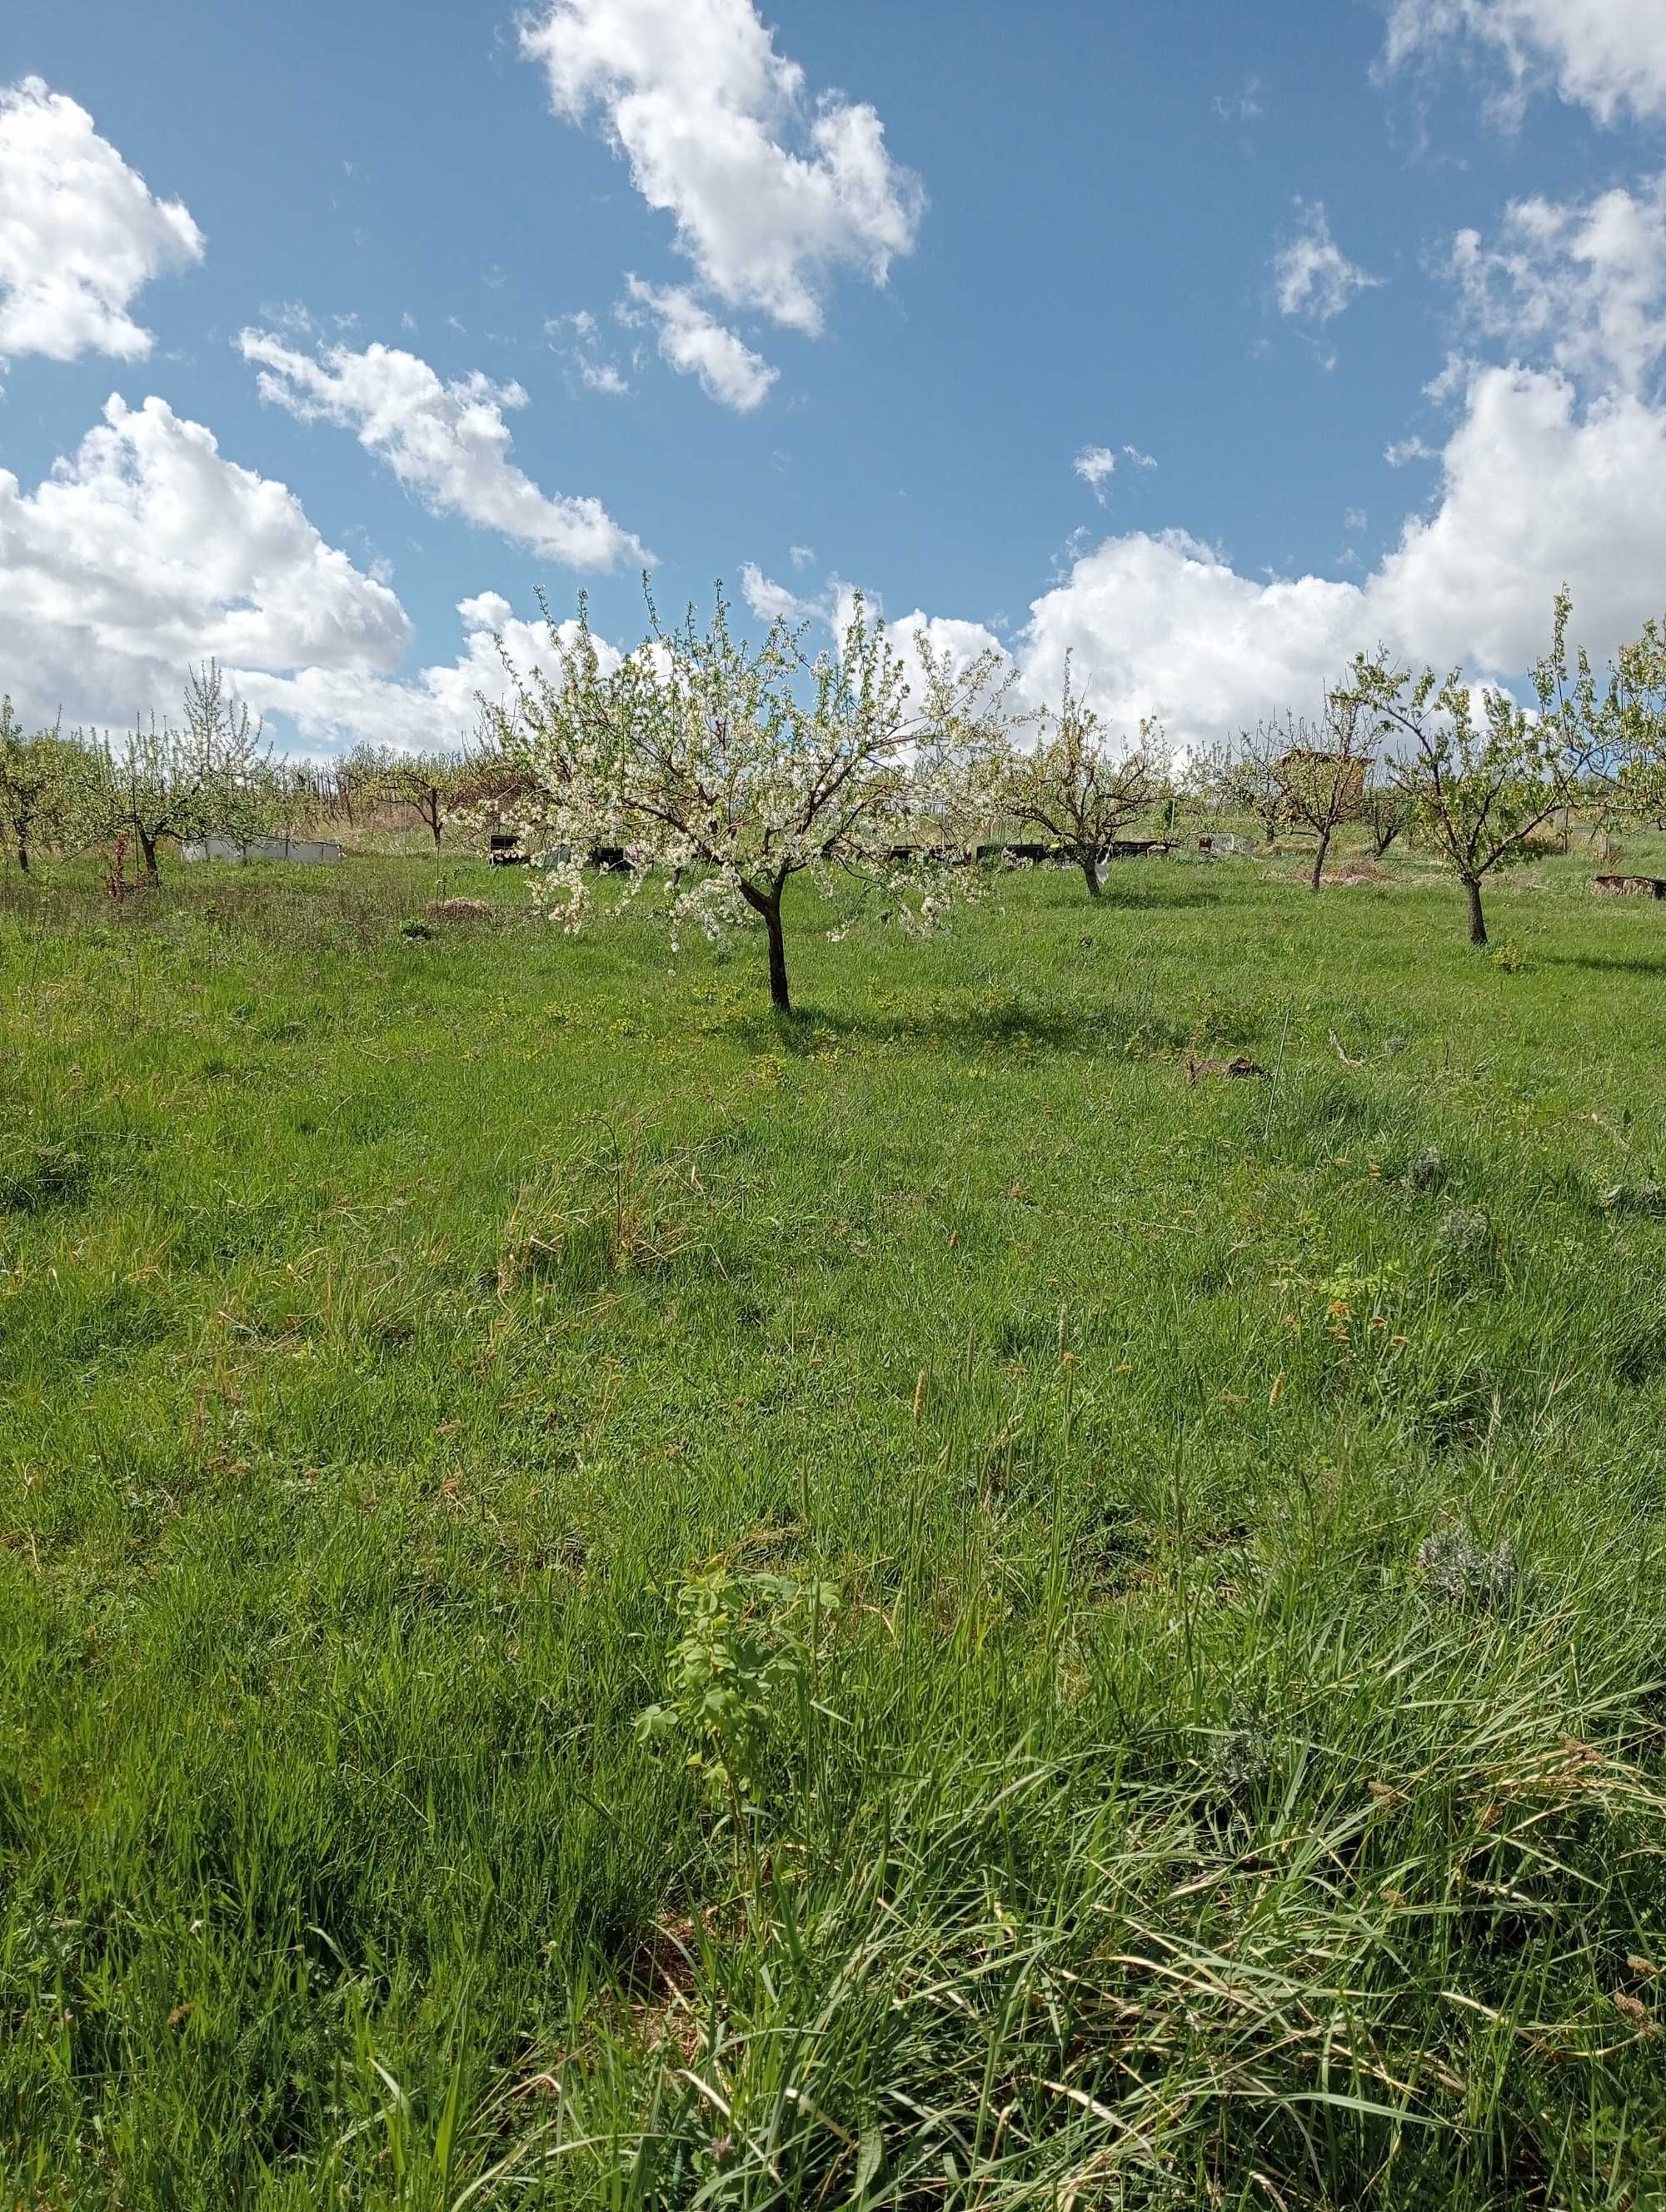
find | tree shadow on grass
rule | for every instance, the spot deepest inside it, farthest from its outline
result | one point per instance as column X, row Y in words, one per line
column 997, row 1025
column 1603, row 963
column 1136, row 899
column 1119, row 894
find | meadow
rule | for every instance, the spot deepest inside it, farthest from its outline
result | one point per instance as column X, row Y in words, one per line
column 1227, row 1764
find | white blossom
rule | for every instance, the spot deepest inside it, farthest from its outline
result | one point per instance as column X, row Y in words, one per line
column 720, row 771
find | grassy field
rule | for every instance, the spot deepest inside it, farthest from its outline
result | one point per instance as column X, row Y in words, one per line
column 1233, row 1775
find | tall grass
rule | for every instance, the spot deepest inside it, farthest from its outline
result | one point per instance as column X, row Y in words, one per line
column 1235, row 1775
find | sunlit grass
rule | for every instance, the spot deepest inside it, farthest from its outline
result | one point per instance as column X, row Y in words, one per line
column 1234, row 1775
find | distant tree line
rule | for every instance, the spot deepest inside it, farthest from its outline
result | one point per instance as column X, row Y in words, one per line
column 211, row 773
column 725, row 771
column 722, row 770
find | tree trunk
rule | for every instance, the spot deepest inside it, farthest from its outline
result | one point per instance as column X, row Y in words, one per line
column 1477, row 918
column 1090, row 874
column 1319, row 859
column 23, row 855
column 767, row 906
column 779, row 997
column 153, row 874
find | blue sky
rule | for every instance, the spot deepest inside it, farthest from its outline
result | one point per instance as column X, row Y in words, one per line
column 1238, row 241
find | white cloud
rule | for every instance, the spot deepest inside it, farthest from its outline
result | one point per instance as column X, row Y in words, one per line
column 1553, row 471
column 146, row 547
column 801, row 555
column 958, row 643
column 697, row 344
column 771, row 195
column 145, row 550
column 604, row 376
column 1161, row 625
column 1096, row 465
column 447, row 442
column 1247, row 105
column 834, row 608
column 439, row 705
column 1355, row 519
column 1313, row 277
column 1608, row 56
column 1537, row 488
column 955, row 643
column 1583, row 284
column 577, row 338
column 772, row 602
column 81, row 233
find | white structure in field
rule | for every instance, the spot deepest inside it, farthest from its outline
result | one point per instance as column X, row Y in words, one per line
column 307, row 852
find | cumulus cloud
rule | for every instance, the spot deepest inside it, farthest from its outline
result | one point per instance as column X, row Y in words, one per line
column 1607, row 56
column 1552, row 470
column 956, row 643
column 1583, row 282
column 771, row 194
column 439, row 705
column 1555, row 468
column 1313, row 278
column 1161, row 625
column 445, row 442
column 1538, row 487
column 81, row 233
column 146, row 549
column 697, row 344
column 959, row 643
column 772, row 602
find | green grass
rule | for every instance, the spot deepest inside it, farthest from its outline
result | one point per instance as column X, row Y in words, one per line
column 389, row 1327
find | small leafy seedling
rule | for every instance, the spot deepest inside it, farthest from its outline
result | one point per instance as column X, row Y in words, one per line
column 744, row 1662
